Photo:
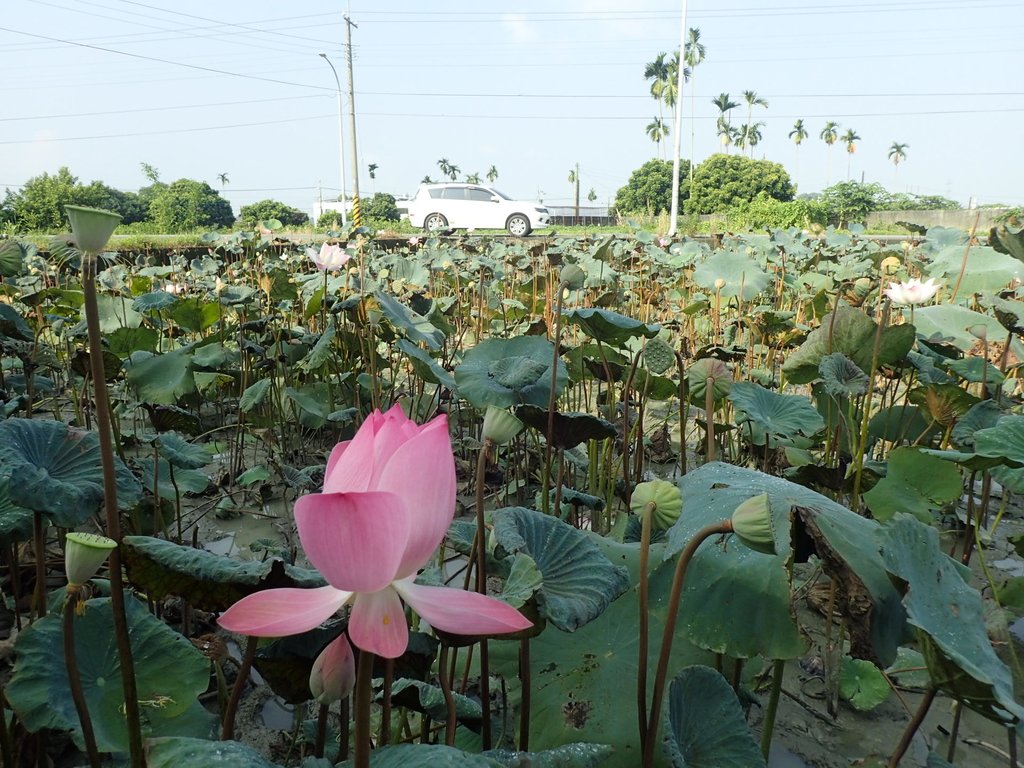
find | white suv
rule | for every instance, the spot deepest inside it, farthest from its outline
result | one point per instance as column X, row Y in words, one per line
column 473, row 206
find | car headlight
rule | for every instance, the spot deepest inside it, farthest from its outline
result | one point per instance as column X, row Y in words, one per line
column 541, row 210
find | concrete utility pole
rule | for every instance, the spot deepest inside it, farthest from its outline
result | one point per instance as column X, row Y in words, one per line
column 356, row 205
column 341, row 146
column 678, row 138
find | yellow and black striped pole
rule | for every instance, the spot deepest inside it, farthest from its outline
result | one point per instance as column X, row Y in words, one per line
column 357, row 213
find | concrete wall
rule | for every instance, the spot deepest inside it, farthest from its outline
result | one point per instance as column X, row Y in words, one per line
column 961, row 219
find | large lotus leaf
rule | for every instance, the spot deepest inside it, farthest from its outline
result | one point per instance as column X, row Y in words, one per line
column 903, row 423
column 570, row 429
column 58, row 470
column 426, row 367
column 743, row 277
column 15, row 521
column 582, row 755
column 424, row 756
column 285, row 662
column 115, row 312
column 852, row 333
column 181, row 752
column 950, row 321
column 125, row 341
column 13, row 325
column 162, row 379
column 429, row 699
column 937, row 239
column 209, row 582
column 862, row 684
column 254, row 394
column 841, row 376
column 181, row 453
column 506, row 372
column 12, row 256
column 312, row 403
column 779, row 415
column 154, row 301
column 987, row 269
column 1009, row 312
column 610, row 327
column 729, row 587
column 949, row 612
column 704, row 371
column 578, row 678
column 169, row 674
column 158, row 474
column 195, row 313
column 578, row 583
column 1005, row 439
column 418, row 328
column 916, row 483
column 704, row 723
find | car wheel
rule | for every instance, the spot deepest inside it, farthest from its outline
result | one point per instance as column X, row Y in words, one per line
column 518, row 225
column 434, row 222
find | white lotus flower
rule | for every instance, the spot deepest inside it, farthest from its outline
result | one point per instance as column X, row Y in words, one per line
column 912, row 292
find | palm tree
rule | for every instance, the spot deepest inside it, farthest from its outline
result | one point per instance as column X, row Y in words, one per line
column 693, row 53
column 850, row 138
column 426, row 180
column 722, row 125
column 492, row 174
column 473, row 178
column 372, row 168
column 657, row 72
column 829, row 135
column 592, row 195
column 223, row 179
column 670, row 91
column 657, row 131
column 798, row 134
column 753, row 135
column 753, row 100
column 448, row 169
column 898, row 153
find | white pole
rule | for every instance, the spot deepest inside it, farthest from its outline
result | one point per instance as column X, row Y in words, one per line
column 678, row 138
column 341, row 141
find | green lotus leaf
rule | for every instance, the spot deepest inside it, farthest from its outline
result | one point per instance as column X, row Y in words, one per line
column 522, row 582
column 949, row 321
column 178, row 752
column 937, row 239
column 59, row 471
column 209, row 582
column 312, row 403
column 610, row 327
column 285, row 662
column 903, row 423
column 15, row 521
column 916, row 483
column 841, row 376
column 1009, row 312
column 169, row 674
column 578, row 580
column 950, row 616
column 321, row 351
column 154, row 301
column 582, row 755
column 701, row 372
column 158, row 475
column 976, row 370
column 115, row 312
column 125, row 341
column 12, row 256
column 779, row 415
column 742, row 276
column 425, row 366
column 13, row 325
column 704, row 723
column 507, row 372
column 424, row 756
column 196, row 314
column 570, row 429
column 423, row 697
column 862, row 684
column 729, row 587
column 181, row 453
column 418, row 328
column 162, row 379
column 987, row 269
column 254, row 394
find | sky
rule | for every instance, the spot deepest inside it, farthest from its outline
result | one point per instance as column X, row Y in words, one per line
column 200, row 89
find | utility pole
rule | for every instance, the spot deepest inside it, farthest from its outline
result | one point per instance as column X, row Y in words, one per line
column 679, row 125
column 357, row 213
column 576, row 176
column 341, row 145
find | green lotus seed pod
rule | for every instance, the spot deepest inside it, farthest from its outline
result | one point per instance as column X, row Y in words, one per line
column 659, row 356
column 752, row 522
column 572, row 276
column 84, row 553
column 667, row 499
column 92, row 227
column 500, row 426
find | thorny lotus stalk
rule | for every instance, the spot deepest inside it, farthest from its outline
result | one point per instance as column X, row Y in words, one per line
column 641, row 675
column 481, row 587
column 546, row 469
column 71, row 600
column 868, row 396
column 363, row 705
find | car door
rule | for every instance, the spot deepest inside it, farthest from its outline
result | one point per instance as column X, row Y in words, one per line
column 484, row 211
column 455, row 207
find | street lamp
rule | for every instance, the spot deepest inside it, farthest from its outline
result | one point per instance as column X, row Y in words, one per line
column 341, row 141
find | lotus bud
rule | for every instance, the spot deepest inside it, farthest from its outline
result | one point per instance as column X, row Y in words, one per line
column 572, row 277
column 979, row 331
column 500, row 426
column 889, row 265
column 666, row 498
column 752, row 522
column 333, row 675
column 92, row 227
column 84, row 553
column 719, row 284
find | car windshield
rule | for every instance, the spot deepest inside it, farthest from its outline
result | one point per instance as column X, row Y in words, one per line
column 500, row 194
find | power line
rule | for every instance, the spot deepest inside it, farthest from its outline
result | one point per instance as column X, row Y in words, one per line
column 155, row 109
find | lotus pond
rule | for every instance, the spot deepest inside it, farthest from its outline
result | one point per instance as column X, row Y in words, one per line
column 477, row 502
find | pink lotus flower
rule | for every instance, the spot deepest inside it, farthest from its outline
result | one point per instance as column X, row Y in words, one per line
column 330, row 257
column 414, row 241
column 912, row 291
column 387, row 502
column 333, row 675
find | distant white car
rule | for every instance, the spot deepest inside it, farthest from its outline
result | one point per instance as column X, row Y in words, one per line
column 474, row 206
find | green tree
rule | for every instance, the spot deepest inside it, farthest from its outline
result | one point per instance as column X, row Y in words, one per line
column 693, row 53
column 657, row 131
column 798, row 134
column 39, row 204
column 448, row 169
column 150, row 172
column 850, row 138
column 473, row 178
column 849, row 201
column 897, row 154
column 251, row 215
column 99, row 195
column 223, row 179
column 753, row 100
column 723, row 181
column 382, row 207
column 187, row 204
column 492, row 174
column 657, row 72
column 649, row 189
column 723, row 125
column 372, row 168
column 829, row 135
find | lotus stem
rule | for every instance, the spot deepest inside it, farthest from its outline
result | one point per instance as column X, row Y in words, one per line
column 525, row 682
column 709, row 414
column 954, row 731
column 912, row 726
column 868, row 396
column 321, row 730
column 363, row 704
column 546, row 470
column 668, row 634
column 74, row 679
column 683, row 396
column 963, row 263
column 449, row 701
column 768, row 727
column 103, row 427
column 6, row 751
column 384, row 735
column 641, row 669
column 343, row 722
column 481, row 587
column 1012, row 747
column 227, row 728
column 39, row 544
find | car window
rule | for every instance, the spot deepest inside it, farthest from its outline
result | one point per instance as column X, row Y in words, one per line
column 454, row 193
column 478, row 195
column 436, row 192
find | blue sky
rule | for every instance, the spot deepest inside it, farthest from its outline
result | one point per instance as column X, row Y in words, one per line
column 202, row 88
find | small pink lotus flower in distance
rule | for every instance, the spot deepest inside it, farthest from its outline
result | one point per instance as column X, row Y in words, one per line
column 664, row 242
column 912, row 292
column 330, row 257
column 387, row 502
column 414, row 241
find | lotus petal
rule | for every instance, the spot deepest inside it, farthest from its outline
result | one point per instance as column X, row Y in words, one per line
column 378, row 623
column 461, row 612
column 285, row 611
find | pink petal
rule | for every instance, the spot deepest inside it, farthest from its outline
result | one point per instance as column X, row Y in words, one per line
column 356, row 540
column 378, row 625
column 351, row 464
column 333, row 675
column 422, row 472
column 461, row 612
column 279, row 612
column 394, row 430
